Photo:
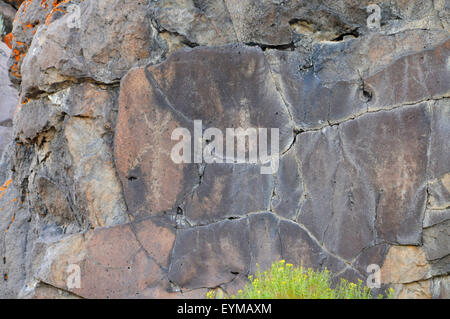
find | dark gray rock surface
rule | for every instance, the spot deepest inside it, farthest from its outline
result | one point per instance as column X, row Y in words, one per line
column 88, row 181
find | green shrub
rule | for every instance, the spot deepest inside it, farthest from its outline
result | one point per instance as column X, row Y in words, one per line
column 284, row 281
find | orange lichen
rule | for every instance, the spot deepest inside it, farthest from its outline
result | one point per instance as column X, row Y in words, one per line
column 4, row 187
column 8, row 39
column 14, row 70
column 22, row 101
column 56, row 8
column 29, row 25
column 18, row 53
column 44, row 4
column 12, row 221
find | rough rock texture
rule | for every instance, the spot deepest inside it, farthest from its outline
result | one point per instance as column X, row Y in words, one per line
column 8, row 100
column 7, row 13
column 87, row 178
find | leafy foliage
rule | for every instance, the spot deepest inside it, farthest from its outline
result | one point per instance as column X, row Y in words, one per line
column 284, row 281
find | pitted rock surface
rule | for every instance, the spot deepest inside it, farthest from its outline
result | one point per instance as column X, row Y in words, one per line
column 88, row 108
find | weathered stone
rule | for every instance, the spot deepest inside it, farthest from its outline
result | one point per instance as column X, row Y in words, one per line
column 335, row 200
column 5, row 137
column 73, row 155
column 221, row 193
column 414, row 290
column 440, row 267
column 353, row 180
column 90, row 180
column 313, row 103
column 35, row 117
column 14, row 221
column 337, row 88
column 434, row 217
column 213, row 22
column 152, row 183
column 439, row 165
column 202, row 22
column 198, row 252
column 14, row 3
column 372, row 53
column 441, row 287
column 299, row 248
column 54, row 200
column 404, row 264
column 350, row 275
column 114, row 262
column 198, row 255
column 288, row 193
column 7, row 13
column 265, row 242
column 216, row 74
column 102, row 54
column 44, row 291
column 30, row 15
column 374, row 255
column 8, row 100
column 408, row 79
column 436, row 240
column 391, row 148
column 82, row 148
column 157, row 238
column 91, row 153
column 145, row 96
column 439, row 193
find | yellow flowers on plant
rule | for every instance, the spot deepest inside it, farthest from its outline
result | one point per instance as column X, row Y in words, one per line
column 284, row 281
column 211, row 294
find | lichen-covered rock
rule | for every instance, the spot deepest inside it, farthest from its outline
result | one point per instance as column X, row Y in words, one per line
column 89, row 188
column 103, row 55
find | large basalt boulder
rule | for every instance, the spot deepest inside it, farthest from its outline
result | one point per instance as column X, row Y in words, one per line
column 103, row 55
column 280, row 23
column 89, row 188
column 204, row 80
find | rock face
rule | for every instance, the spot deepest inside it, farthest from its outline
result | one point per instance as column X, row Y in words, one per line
column 8, row 100
column 92, row 204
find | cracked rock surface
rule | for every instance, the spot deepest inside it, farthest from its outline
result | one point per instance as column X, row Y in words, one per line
column 87, row 112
